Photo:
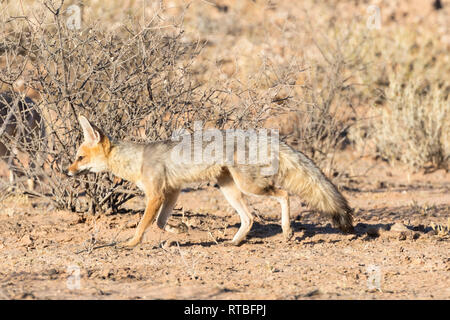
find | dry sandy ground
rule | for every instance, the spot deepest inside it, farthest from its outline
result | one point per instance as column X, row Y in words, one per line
column 42, row 249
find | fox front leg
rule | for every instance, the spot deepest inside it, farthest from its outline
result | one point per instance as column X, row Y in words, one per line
column 151, row 210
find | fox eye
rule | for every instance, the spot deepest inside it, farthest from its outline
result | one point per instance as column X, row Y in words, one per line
column 80, row 158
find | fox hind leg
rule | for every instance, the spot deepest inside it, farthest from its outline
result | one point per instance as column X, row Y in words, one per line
column 166, row 211
column 283, row 198
column 234, row 197
column 247, row 187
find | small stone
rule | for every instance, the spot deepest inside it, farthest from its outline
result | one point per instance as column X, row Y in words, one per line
column 26, row 240
column 381, row 185
column 315, row 292
column 106, row 273
column 399, row 227
column 402, row 236
column 131, row 225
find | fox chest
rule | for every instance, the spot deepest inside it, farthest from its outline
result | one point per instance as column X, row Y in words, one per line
column 128, row 168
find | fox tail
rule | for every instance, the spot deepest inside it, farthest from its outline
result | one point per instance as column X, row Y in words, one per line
column 301, row 176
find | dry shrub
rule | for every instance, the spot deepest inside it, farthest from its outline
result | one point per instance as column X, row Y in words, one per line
column 410, row 119
column 330, row 91
column 415, row 127
column 135, row 84
column 318, row 93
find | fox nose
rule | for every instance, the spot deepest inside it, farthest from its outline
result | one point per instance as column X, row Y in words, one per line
column 67, row 172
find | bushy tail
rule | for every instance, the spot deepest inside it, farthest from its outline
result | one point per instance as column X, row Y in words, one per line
column 299, row 175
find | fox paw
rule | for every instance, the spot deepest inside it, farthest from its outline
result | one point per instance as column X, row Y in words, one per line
column 288, row 234
column 131, row 243
column 233, row 243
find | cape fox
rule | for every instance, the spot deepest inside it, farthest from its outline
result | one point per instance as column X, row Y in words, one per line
column 161, row 176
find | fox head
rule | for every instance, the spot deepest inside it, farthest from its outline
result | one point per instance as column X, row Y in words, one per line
column 92, row 155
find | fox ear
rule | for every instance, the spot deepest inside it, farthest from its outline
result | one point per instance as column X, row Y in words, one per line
column 91, row 135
